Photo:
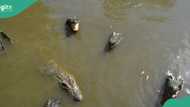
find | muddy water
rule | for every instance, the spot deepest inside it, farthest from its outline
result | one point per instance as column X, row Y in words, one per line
column 156, row 40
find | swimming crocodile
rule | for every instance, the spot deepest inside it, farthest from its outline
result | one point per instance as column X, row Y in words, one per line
column 172, row 87
column 73, row 23
column 5, row 41
column 65, row 80
column 52, row 102
column 114, row 39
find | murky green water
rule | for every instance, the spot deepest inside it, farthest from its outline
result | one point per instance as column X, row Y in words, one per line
column 156, row 40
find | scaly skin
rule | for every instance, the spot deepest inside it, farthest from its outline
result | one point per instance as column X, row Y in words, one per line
column 52, row 102
column 4, row 41
column 73, row 24
column 114, row 39
column 172, row 87
column 65, row 80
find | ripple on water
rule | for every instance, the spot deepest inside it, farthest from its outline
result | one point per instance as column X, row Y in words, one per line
column 180, row 63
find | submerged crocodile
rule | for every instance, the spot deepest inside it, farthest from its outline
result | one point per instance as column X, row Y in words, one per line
column 172, row 87
column 114, row 39
column 73, row 23
column 5, row 41
column 65, row 80
column 52, row 102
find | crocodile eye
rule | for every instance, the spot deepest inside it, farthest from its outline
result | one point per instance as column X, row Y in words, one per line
column 64, row 85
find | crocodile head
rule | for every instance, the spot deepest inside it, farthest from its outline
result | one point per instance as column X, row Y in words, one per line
column 69, row 84
column 74, row 24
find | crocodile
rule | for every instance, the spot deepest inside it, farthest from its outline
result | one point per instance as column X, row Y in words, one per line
column 65, row 80
column 73, row 23
column 114, row 39
column 5, row 41
column 52, row 102
column 172, row 87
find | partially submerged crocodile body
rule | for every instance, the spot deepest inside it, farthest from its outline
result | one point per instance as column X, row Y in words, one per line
column 5, row 41
column 68, row 83
column 114, row 39
column 72, row 26
column 172, row 87
column 65, row 80
column 52, row 102
column 73, row 23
